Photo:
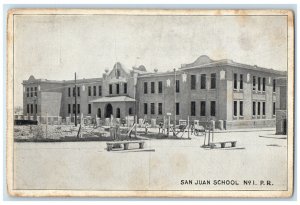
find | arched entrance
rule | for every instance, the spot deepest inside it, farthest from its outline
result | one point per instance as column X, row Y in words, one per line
column 99, row 113
column 108, row 110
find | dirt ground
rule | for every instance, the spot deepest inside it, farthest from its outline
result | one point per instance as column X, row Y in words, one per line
column 162, row 165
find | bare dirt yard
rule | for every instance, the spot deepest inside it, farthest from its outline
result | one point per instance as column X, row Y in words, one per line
column 164, row 164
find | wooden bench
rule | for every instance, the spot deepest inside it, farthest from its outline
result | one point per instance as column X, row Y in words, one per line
column 223, row 144
column 117, row 144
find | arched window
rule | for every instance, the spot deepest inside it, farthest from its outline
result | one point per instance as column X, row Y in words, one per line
column 130, row 111
column 118, row 113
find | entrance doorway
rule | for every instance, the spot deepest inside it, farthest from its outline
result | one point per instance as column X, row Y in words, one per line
column 108, row 110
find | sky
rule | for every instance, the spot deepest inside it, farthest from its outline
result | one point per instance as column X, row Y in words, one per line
column 53, row 47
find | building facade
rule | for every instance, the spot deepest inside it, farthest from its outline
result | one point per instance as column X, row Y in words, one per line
column 237, row 94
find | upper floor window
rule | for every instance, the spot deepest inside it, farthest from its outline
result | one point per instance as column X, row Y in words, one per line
column 274, row 85
column 117, row 88
column 90, row 91
column 234, row 81
column 125, row 88
column 152, row 87
column 110, row 88
column 241, row 82
column 145, row 87
column 160, row 87
column 28, row 92
column 177, row 86
column 100, row 90
column 35, row 91
column 203, row 81
column 259, row 83
column 193, row 82
column 78, row 91
column 31, row 92
column 254, row 83
column 74, row 92
column 95, row 90
column 264, row 84
column 213, row 81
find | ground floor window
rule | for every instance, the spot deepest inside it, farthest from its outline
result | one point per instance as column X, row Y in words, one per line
column 213, row 108
column 241, row 108
column 35, row 108
column 31, row 106
column 235, row 108
column 69, row 108
column 258, row 108
column 130, row 111
column 160, row 108
column 74, row 108
column 253, row 108
column 152, row 109
column 28, row 111
column 78, row 108
column 145, row 108
column 193, row 108
column 89, row 108
column 264, row 108
column 177, row 109
column 202, row 108
column 274, row 109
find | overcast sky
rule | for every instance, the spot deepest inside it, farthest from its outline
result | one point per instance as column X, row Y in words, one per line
column 54, row 47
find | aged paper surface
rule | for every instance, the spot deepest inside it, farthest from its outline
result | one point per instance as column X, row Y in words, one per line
column 225, row 77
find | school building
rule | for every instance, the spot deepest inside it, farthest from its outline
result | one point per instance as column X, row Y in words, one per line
column 236, row 94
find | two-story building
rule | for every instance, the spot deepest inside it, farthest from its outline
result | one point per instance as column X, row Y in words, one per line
column 240, row 95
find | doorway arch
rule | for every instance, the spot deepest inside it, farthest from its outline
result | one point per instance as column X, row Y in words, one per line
column 108, row 110
column 99, row 112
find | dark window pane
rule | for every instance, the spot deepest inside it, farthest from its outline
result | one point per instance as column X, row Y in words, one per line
column 177, row 109
column 203, row 81
column 213, row 81
column 264, row 84
column 241, row 82
column 202, row 108
column 145, row 87
column 234, row 81
column 95, row 90
column 213, row 108
column 110, row 89
column 254, row 83
column 160, row 87
column 234, row 108
column 152, row 87
column 90, row 90
column 177, row 86
column 117, row 88
column 78, row 91
column 241, row 108
column 253, row 108
column 160, row 108
column 100, row 90
column 274, row 85
column 125, row 88
column 145, row 108
column 193, row 108
column 258, row 81
column 152, row 109
column 193, row 82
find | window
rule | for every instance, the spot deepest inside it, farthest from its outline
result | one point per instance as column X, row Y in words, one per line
column 145, row 87
column 254, row 83
column 258, row 108
column 160, row 108
column 100, row 90
column 203, row 81
column 74, row 108
column 89, row 108
column 152, row 109
column 160, row 87
column 264, row 108
column 258, row 79
column 241, row 108
column 117, row 88
column 130, row 111
column 110, row 88
column 35, row 108
column 213, row 108
column 78, row 91
column 177, row 86
column 78, row 108
column 90, row 90
column 213, row 81
column 35, row 91
column 274, row 85
column 118, row 113
column 241, row 82
column 234, row 81
column 274, row 108
column 235, row 108
column 31, row 92
column 193, row 82
column 69, row 108
column 193, row 108
column 95, row 90
column 264, row 84
column 69, row 92
column 202, row 108
column 145, row 108
column 177, row 109
column 152, row 87
column 28, row 91
column 74, row 92
column 31, row 106
column 28, row 109
column 253, row 108
column 125, row 88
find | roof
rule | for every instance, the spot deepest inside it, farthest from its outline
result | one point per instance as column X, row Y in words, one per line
column 114, row 99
